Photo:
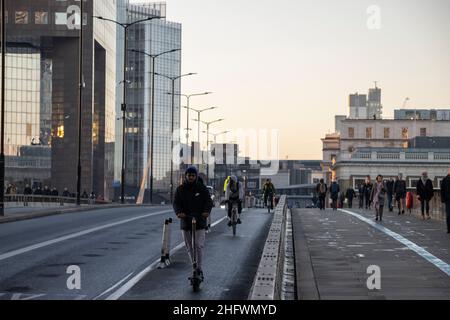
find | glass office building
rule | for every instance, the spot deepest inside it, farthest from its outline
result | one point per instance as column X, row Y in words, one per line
column 154, row 37
column 41, row 119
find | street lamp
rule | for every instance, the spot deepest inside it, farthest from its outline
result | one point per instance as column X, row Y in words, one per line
column 152, row 107
column 125, row 26
column 208, row 123
column 188, row 97
column 80, row 103
column 215, row 135
column 198, row 120
column 173, row 79
column 2, row 139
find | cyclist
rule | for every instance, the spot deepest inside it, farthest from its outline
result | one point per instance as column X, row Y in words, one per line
column 234, row 193
column 192, row 200
column 268, row 192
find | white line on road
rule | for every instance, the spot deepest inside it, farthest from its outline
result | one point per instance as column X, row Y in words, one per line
column 74, row 235
column 411, row 245
column 133, row 281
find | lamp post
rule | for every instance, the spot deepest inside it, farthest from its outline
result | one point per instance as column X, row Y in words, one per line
column 80, row 103
column 2, row 138
column 125, row 26
column 208, row 123
column 172, row 79
column 198, row 120
column 188, row 97
column 152, row 108
column 215, row 135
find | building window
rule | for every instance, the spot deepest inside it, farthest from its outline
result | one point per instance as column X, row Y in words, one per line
column 387, row 133
column 61, row 18
column 405, row 133
column 41, row 17
column 21, row 17
column 368, row 133
column 423, row 132
column 351, row 132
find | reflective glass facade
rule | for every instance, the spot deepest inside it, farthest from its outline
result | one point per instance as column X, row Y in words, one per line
column 41, row 126
column 154, row 37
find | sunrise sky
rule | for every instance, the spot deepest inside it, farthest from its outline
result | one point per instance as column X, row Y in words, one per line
column 291, row 64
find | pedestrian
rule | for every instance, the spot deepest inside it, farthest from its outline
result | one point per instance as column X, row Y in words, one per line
column 38, row 191
column 400, row 193
column 425, row 193
column 55, row 192
column 367, row 191
column 47, row 191
column 66, row 193
column 8, row 189
column 321, row 190
column 334, row 194
column 361, row 195
column 27, row 192
column 341, row 200
column 377, row 197
column 350, row 194
column 191, row 200
column 84, row 195
column 390, row 193
column 445, row 197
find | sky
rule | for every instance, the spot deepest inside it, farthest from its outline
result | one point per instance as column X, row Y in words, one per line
column 290, row 65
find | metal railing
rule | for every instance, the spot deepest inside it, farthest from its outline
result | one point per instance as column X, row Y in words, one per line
column 26, row 199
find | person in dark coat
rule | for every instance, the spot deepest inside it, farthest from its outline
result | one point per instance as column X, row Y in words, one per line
column 27, row 190
column 334, row 194
column 367, row 192
column 47, row 191
column 321, row 191
column 361, row 195
column 55, row 192
column 66, row 193
column 425, row 192
column 38, row 191
column 350, row 194
column 445, row 197
column 400, row 193
column 390, row 193
column 192, row 199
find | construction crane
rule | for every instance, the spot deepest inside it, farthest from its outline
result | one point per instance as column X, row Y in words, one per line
column 404, row 102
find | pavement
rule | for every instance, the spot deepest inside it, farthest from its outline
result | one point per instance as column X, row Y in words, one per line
column 334, row 249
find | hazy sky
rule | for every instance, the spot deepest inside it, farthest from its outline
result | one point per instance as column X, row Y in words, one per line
column 291, row 64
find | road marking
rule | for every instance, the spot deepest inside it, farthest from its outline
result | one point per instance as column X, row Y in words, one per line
column 74, row 235
column 114, row 286
column 443, row 266
column 133, row 281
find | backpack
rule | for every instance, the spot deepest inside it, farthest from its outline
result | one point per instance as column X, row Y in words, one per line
column 334, row 188
column 322, row 188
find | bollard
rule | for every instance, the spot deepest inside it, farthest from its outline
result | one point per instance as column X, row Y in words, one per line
column 165, row 248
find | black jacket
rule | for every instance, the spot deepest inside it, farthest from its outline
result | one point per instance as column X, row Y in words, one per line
column 400, row 187
column 390, row 187
column 350, row 194
column 192, row 200
column 425, row 192
column 445, row 189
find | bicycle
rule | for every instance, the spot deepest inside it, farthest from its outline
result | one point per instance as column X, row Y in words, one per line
column 269, row 202
column 234, row 216
column 196, row 278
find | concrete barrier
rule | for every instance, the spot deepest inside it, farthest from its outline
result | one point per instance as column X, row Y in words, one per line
column 268, row 282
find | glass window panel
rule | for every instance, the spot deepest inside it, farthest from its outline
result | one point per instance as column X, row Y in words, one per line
column 41, row 17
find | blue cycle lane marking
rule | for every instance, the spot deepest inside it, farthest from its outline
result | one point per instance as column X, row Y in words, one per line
column 442, row 265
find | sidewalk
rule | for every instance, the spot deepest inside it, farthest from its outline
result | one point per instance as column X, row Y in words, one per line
column 25, row 213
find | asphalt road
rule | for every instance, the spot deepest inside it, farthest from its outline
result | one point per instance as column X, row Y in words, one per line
column 113, row 248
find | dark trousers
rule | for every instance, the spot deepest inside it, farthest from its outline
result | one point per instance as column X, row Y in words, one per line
column 447, row 211
column 322, row 202
column 425, row 204
column 389, row 199
column 367, row 201
column 230, row 207
column 361, row 201
column 334, row 203
column 350, row 202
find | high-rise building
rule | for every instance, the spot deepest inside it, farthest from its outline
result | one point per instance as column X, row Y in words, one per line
column 358, row 106
column 42, row 85
column 374, row 107
column 153, row 37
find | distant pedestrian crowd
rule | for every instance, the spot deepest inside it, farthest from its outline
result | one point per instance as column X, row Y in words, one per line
column 381, row 193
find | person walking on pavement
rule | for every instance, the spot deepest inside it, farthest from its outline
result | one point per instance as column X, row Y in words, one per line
column 334, row 194
column 390, row 193
column 377, row 197
column 361, row 195
column 367, row 191
column 321, row 190
column 400, row 193
column 425, row 192
column 192, row 199
column 350, row 194
column 27, row 191
column 445, row 197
